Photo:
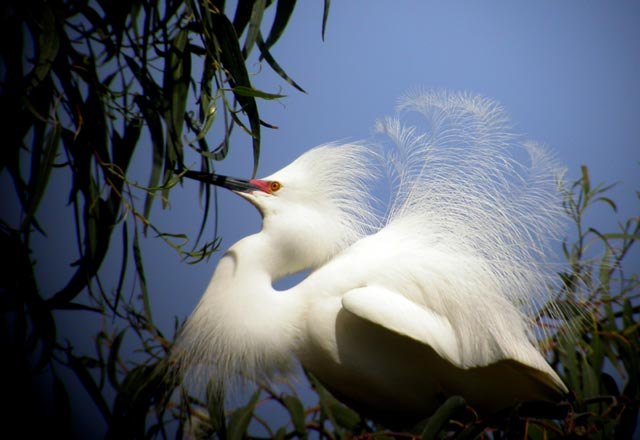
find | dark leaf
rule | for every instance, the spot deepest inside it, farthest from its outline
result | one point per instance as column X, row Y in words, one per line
column 325, row 16
column 62, row 406
column 609, row 384
column 232, row 60
column 586, row 185
column 590, row 377
column 48, row 43
column 240, row 418
column 439, row 419
column 114, row 358
column 40, row 177
column 123, row 147
column 257, row 11
column 215, row 405
column 628, row 423
column 137, row 257
column 154, row 125
column 123, row 266
column 609, row 202
column 89, row 384
column 340, row 416
column 284, row 9
column 296, row 411
column 177, row 76
column 264, row 52
column 78, row 306
column 242, row 16
column 246, row 91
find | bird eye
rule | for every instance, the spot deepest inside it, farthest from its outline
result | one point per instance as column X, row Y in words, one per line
column 274, row 186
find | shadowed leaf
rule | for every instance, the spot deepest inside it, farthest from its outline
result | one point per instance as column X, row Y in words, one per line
column 264, row 51
column 231, row 57
column 240, row 418
column 325, row 16
column 284, row 10
column 439, row 419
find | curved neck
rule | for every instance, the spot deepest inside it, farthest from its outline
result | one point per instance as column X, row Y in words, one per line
column 244, row 277
column 241, row 321
column 257, row 254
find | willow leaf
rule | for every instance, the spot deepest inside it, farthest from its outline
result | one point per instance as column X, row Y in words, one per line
column 284, row 10
column 325, row 16
column 264, row 53
column 247, row 91
column 232, row 60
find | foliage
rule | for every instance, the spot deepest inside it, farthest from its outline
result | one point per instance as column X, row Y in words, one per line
column 85, row 86
column 82, row 84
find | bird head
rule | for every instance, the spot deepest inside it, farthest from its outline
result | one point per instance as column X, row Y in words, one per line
column 313, row 207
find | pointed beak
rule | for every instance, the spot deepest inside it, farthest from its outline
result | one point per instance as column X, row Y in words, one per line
column 231, row 183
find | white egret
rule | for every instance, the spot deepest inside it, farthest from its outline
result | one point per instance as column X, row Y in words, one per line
column 434, row 297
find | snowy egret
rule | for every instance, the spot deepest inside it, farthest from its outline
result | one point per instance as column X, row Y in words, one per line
column 433, row 296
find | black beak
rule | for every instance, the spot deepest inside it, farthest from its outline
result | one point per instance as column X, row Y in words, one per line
column 219, row 180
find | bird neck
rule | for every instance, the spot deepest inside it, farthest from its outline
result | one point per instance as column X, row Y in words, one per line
column 259, row 256
column 242, row 322
column 245, row 274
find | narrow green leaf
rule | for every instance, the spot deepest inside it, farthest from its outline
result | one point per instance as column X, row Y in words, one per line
column 597, row 351
column 325, row 16
column 123, row 266
column 439, row 419
column 264, row 53
column 604, row 273
column 48, row 43
column 215, row 405
column 89, row 384
column 627, row 424
column 242, row 15
column 621, row 236
column 344, row 416
column 284, row 9
column 232, row 60
column 77, row 306
column 40, row 177
column 137, row 257
column 296, row 411
column 586, row 184
column 142, row 386
column 114, row 358
column 152, row 92
column 569, row 360
column 177, row 76
column 62, row 408
column 257, row 12
column 339, row 415
column 281, row 434
column 240, row 418
column 609, row 384
column 627, row 314
column 609, row 202
column 247, row 91
column 123, row 147
column 591, row 387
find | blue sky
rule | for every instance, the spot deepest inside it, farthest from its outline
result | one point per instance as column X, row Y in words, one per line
column 567, row 73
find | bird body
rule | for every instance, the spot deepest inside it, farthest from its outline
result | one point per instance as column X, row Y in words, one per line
column 433, row 298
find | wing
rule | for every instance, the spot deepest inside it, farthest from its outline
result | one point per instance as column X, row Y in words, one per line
column 394, row 312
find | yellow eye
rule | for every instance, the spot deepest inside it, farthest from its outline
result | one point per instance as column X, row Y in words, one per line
column 274, row 186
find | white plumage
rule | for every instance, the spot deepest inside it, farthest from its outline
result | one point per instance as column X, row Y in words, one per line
column 432, row 295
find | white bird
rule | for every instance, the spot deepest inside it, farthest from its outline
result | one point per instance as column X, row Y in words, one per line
column 434, row 297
